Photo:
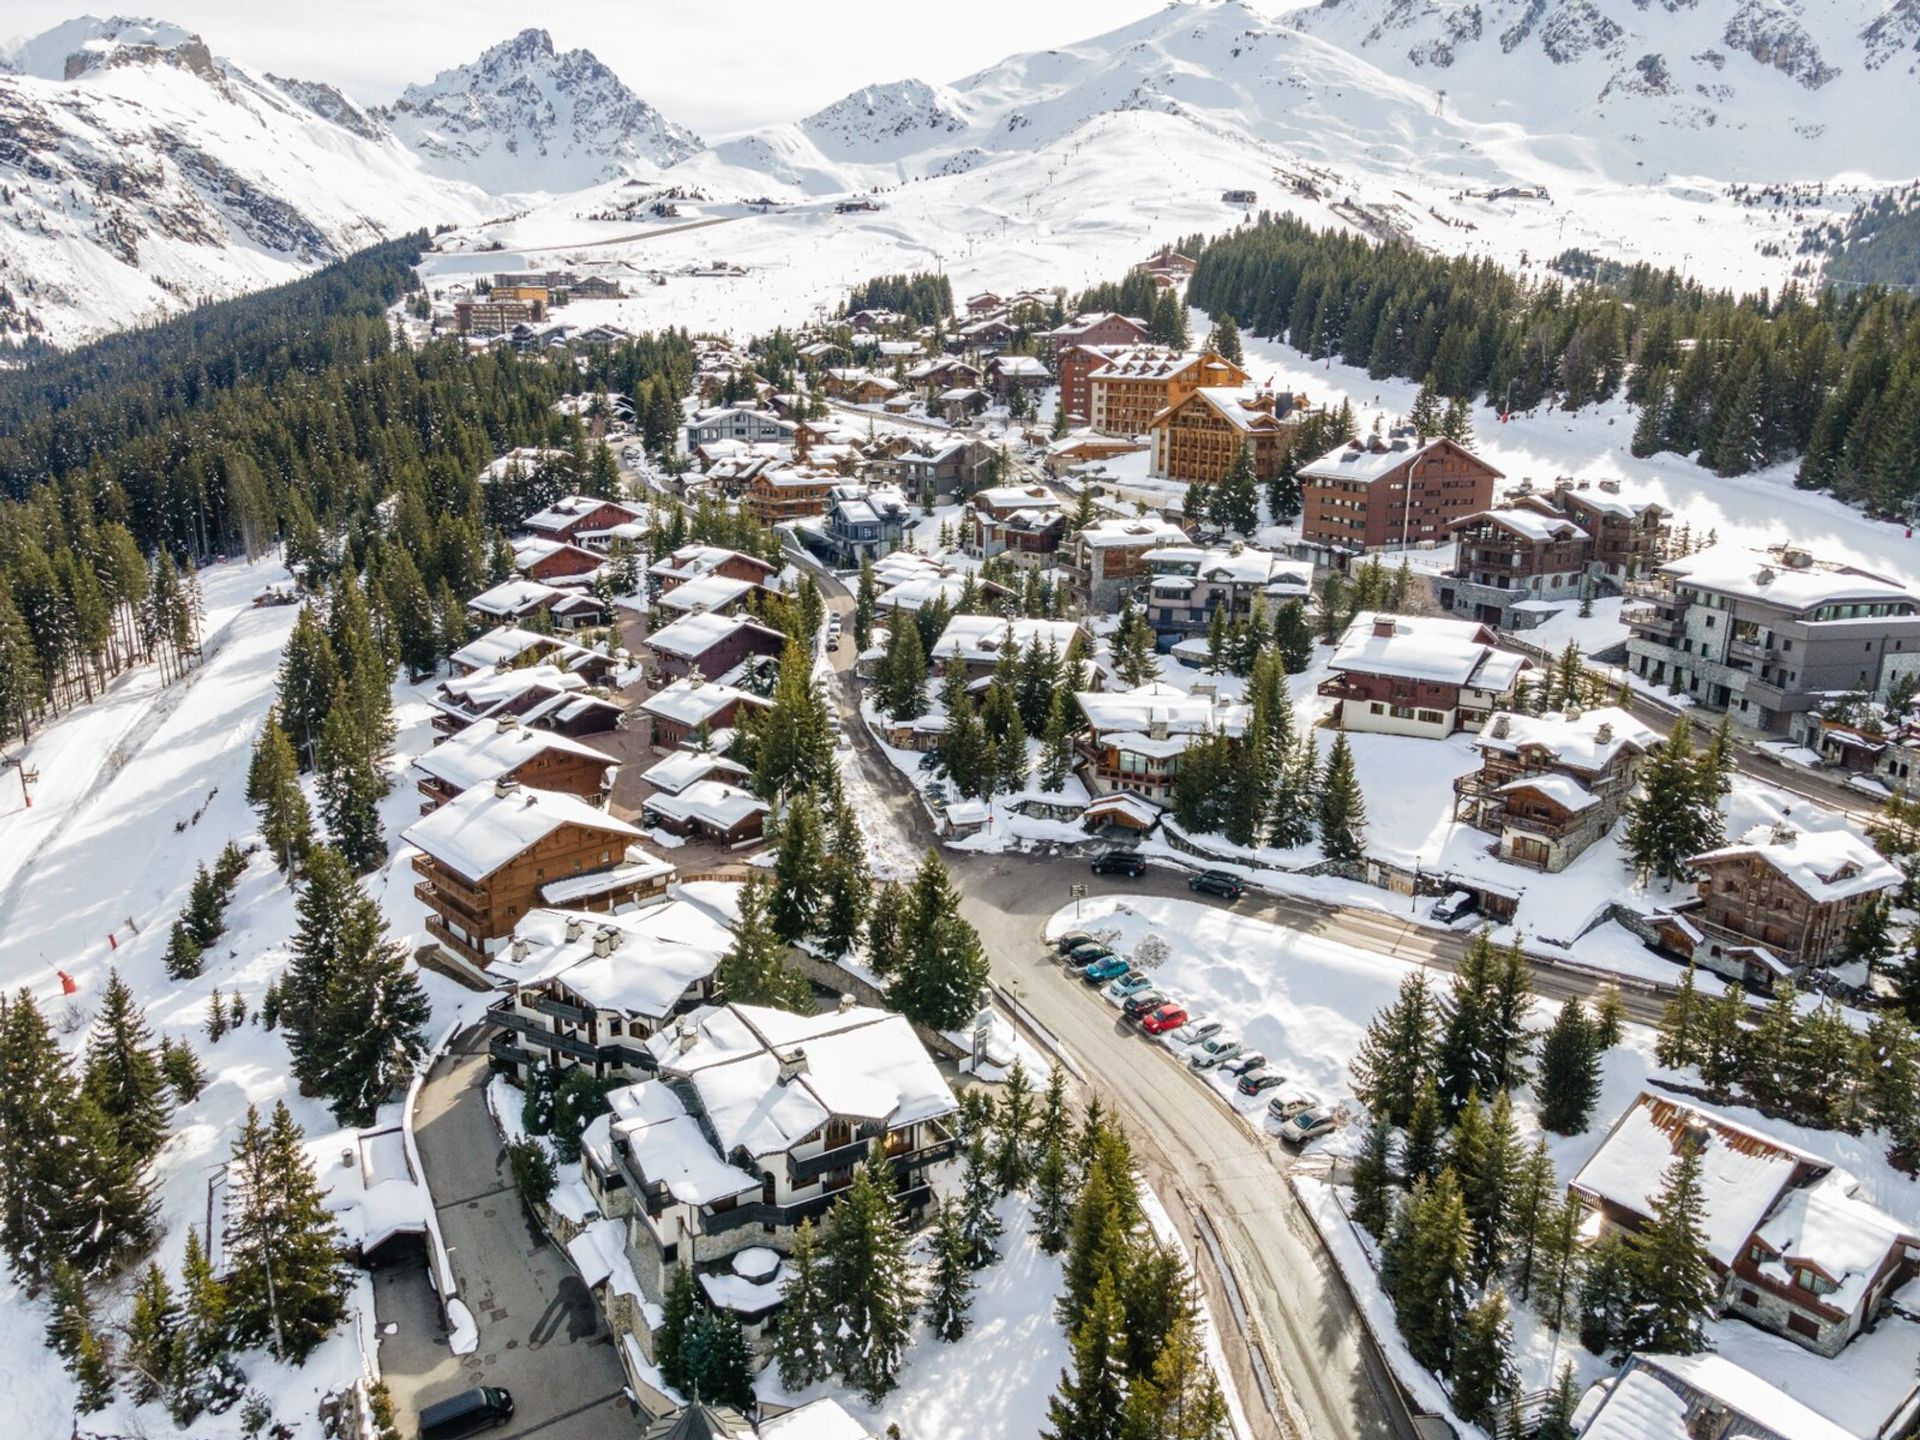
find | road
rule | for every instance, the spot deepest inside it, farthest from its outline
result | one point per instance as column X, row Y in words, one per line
column 541, row 1335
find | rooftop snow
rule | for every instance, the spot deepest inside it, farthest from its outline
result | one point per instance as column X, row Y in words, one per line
column 1575, row 743
column 475, row 833
column 1740, row 1389
column 1823, row 864
column 708, row 592
column 712, row 802
column 1446, row 652
column 1827, row 1225
column 1357, row 460
column 1765, row 575
column 986, row 637
column 1104, row 534
column 483, row 752
column 691, row 636
column 692, row 702
column 1566, row 792
column 660, row 952
column 684, row 767
column 1529, row 524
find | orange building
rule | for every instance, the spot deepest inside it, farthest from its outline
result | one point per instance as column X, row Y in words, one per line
column 1137, row 384
column 1396, row 491
column 1196, row 438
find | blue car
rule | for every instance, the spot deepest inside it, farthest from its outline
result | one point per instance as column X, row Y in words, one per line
column 1111, row 968
column 1128, row 985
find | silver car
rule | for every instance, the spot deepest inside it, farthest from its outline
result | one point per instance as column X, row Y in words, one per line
column 1209, row 1053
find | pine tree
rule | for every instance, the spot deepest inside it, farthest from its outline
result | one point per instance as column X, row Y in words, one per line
column 869, row 1280
column 1433, row 1248
column 1238, row 494
column 350, row 787
column 202, row 1376
column 799, row 873
column 1372, row 1181
column 753, row 971
column 864, row 607
column 849, row 885
column 286, row 822
column 182, row 1069
column 1484, row 1153
column 74, row 1336
column 1606, row 1293
column 1673, row 1285
column 1609, row 1017
column 1556, row 1417
column 1557, row 1259
column 678, row 1313
column 1056, row 746
column 206, row 909
column 1013, row 1122
column 1530, row 1203
column 801, row 1345
column 951, row 1284
column 1052, row 1192
column 1180, row 1399
column 309, row 673
column 217, row 1022
column 151, row 1336
column 416, row 634
column 978, row 1221
column 123, row 1074
column 886, row 933
column 796, row 748
column 1292, row 636
column 1396, row 1055
column 1343, row 812
column 373, row 1021
column 1676, row 814
column 1420, row 1156
column 943, row 966
column 1484, row 1376
column 1569, row 1071
column 286, row 1283
column 1089, row 1403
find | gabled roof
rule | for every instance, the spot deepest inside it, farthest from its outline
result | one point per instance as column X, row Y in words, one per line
column 656, row 952
column 985, row 637
column 1824, row 865
column 1369, row 460
column 1444, row 652
column 695, row 701
column 477, row 832
column 1588, row 740
column 1527, row 524
column 692, row 636
column 483, row 752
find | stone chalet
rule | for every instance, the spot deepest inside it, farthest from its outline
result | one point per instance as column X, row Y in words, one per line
column 779, row 493
column 1548, row 786
column 693, row 705
column 1400, row 490
column 1413, row 675
column 1105, row 562
column 576, row 517
column 496, row 852
column 590, row 990
column 992, row 515
column 1007, row 373
column 1780, row 900
column 978, row 641
column 1514, row 562
column 1687, row 1397
column 1187, row 583
column 512, row 601
column 1135, row 738
column 753, row 1121
column 712, row 644
column 945, row 468
column 857, row 387
column 1798, row 1252
column 504, row 749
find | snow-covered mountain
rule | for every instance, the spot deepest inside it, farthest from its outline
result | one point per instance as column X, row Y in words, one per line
column 139, row 175
column 522, row 117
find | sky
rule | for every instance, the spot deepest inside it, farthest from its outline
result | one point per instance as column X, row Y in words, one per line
column 717, row 66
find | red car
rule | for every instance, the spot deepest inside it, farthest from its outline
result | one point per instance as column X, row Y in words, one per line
column 1167, row 1017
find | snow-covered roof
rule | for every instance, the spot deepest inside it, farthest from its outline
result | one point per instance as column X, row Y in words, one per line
column 1528, row 524
column 1246, row 565
column 1772, row 575
column 518, row 597
column 507, row 643
column 1368, row 460
column 636, row 868
column 856, row 1063
column 1739, row 1389
column 708, row 592
column 691, row 636
column 1638, row 1406
column 563, row 512
column 667, row 1145
column 1565, row 791
column 692, row 701
column 1016, row 497
column 479, row 694
column 654, row 954
column 1112, row 534
column 1141, row 812
column 477, row 832
column 986, row 637
column 1824, row 865
column 1421, row 647
column 921, row 590
column 1742, row 1171
column 711, row 802
column 483, row 752
column 822, row 1419
column 524, row 460
column 696, row 559
column 1130, row 719
column 1829, row 1226
column 1016, row 365
column 1588, row 740
column 1232, row 403
column 685, row 767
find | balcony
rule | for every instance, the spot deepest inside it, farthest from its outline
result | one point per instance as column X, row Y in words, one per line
column 840, row 1157
column 1756, row 650
column 537, row 1034
column 561, row 1010
column 455, row 942
column 438, row 897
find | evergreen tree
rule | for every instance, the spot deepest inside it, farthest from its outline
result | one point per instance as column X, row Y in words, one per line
column 1343, row 812
column 950, row 1290
column 416, row 632
column 1056, row 746
column 753, row 971
column 1396, row 1055
column 1676, row 814
column 716, row 1359
column 1557, row 1257
column 350, row 787
column 1484, row 1376
column 865, row 606
column 1052, row 1192
column 679, row 1312
column 1606, row 1293
column 1091, row 1398
column 978, row 1221
column 869, row 1282
column 886, row 930
column 151, row 1335
column 1420, row 1156
column 1372, row 1180
column 183, row 952
column 849, row 884
column 1556, row 1417
column 286, row 1282
column 309, row 673
column 182, row 1069
column 1529, row 1205
column 1484, row 1152
column 123, row 1074
column 1180, row 1399
column 1135, row 657
column 1292, row 637
column 799, row 873
column 1678, row 1045
column 74, row 1336
column 1296, row 795
column 1013, row 1122
column 1224, row 340
column 943, row 966
column 286, row 823
column 201, row 1377
column 1609, row 1017
column 1569, row 1071
column 794, row 738
column 1433, row 1248
column 802, row 1348
column 1672, row 1283
column 1238, row 494
column 206, row 909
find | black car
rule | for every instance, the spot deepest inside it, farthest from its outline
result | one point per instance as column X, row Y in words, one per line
column 1120, row 862
column 466, row 1414
column 1066, row 942
column 1217, row 882
column 1145, row 1003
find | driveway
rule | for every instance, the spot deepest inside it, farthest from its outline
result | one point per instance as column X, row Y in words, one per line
column 541, row 1335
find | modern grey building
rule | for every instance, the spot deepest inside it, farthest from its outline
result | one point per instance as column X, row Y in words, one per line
column 1770, row 635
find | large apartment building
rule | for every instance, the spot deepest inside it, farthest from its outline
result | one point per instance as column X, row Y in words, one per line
column 1137, row 383
column 1514, row 563
column 1398, row 491
column 1197, row 437
column 1767, row 636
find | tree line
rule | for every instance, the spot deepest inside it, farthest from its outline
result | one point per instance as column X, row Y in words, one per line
column 1741, row 381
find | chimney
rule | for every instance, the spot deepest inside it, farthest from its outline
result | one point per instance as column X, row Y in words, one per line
column 575, row 926
column 1502, row 725
column 1572, row 711
column 1385, row 627
column 846, row 1004
column 508, row 724
column 1784, row 833
column 606, row 940
column 793, row 1065
column 505, row 786
column 1206, row 688
column 518, row 949
column 1157, row 728
column 684, row 1036
column 1605, row 733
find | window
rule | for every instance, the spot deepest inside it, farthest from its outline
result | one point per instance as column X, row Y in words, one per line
column 1804, row 1325
column 1432, row 717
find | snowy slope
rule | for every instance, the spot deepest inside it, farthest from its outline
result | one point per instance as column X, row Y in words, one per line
column 158, row 176
column 522, row 117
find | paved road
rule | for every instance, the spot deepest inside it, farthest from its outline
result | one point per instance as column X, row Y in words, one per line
column 541, row 1335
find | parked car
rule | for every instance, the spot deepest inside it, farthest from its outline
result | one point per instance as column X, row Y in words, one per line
column 485, row 1407
column 1131, row 983
column 1243, row 1062
column 833, row 640
column 1217, row 882
column 1298, row 1129
column 1144, row 1004
column 1101, row 971
column 1077, row 964
column 930, row 760
column 1066, row 942
column 1170, row 1016
column 1088, row 951
column 1197, row 1029
column 1258, row 1082
column 1120, row 862
column 1290, row 1102
column 1209, row 1053
column 1455, row 907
